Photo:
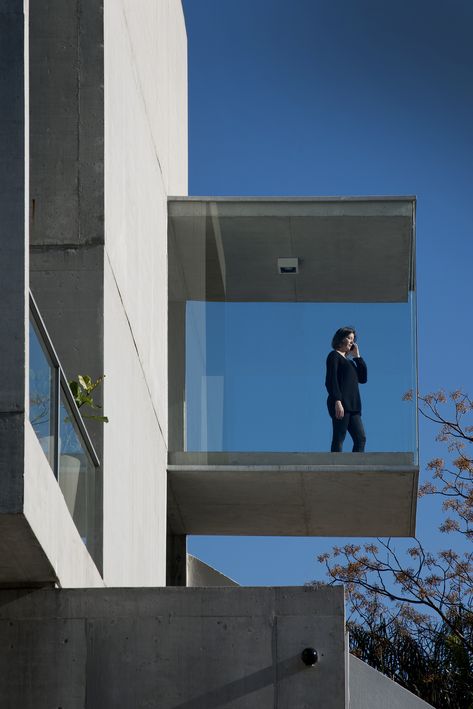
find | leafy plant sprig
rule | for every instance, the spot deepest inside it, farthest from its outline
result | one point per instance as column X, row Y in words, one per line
column 82, row 389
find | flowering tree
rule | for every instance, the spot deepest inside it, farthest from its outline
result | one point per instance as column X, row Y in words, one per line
column 411, row 615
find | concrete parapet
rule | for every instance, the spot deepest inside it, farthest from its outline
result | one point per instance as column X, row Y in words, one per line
column 172, row 648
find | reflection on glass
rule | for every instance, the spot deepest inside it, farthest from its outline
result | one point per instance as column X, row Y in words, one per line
column 41, row 377
column 74, row 467
column 254, row 378
column 76, row 474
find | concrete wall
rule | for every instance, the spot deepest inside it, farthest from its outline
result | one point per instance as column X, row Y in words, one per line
column 66, row 179
column 145, row 160
column 98, row 240
column 66, row 188
column 172, row 648
column 13, row 250
column 40, row 546
column 48, row 516
column 39, row 543
column 369, row 689
column 201, row 574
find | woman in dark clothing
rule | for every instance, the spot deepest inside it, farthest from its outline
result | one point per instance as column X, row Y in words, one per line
column 345, row 370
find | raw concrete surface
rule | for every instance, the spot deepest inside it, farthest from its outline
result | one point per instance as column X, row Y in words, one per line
column 67, row 192
column 66, row 203
column 349, row 250
column 135, row 460
column 293, row 494
column 40, row 545
column 68, row 287
column 23, row 562
column 47, row 514
column 201, row 574
column 12, row 431
column 172, row 648
column 13, row 251
column 369, row 689
column 66, row 103
column 145, row 158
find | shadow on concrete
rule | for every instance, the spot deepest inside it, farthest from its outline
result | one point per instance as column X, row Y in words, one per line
column 245, row 685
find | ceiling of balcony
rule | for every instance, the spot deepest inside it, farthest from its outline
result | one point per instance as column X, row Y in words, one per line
column 349, row 249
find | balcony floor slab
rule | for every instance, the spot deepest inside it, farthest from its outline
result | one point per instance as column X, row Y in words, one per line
column 293, row 494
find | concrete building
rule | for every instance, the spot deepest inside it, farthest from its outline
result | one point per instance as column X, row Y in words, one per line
column 102, row 252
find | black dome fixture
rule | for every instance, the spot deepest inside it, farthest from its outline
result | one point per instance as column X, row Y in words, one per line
column 309, row 656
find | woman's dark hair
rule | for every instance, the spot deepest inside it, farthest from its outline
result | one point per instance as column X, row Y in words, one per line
column 340, row 335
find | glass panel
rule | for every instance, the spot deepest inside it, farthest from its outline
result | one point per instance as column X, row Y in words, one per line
column 42, row 382
column 254, row 375
column 76, row 474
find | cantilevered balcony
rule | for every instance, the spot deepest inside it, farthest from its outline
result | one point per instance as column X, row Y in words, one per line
column 249, row 333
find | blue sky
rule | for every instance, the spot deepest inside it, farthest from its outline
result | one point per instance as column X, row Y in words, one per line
column 339, row 97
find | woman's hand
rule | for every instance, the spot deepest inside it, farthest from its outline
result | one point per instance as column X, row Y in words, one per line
column 339, row 410
column 354, row 352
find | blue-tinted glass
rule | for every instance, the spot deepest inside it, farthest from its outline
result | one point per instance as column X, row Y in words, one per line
column 255, row 375
column 41, row 383
column 76, row 474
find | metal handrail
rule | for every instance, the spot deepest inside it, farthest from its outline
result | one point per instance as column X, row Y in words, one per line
column 62, row 384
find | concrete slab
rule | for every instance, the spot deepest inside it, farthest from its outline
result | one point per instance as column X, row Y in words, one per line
column 293, row 494
column 40, row 544
column 349, row 250
column 22, row 560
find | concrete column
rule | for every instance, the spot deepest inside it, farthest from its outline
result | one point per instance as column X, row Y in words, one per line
column 176, row 560
column 13, row 251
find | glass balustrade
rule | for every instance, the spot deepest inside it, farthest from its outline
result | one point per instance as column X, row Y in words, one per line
column 76, row 472
column 254, row 375
column 60, row 429
column 43, row 412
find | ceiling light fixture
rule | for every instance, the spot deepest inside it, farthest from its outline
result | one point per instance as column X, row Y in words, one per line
column 288, row 265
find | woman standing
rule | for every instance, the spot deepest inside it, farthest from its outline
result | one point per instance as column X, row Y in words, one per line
column 345, row 370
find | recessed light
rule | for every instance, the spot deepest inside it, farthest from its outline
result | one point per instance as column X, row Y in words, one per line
column 288, row 265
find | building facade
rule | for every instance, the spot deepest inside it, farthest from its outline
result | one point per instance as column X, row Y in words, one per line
column 107, row 267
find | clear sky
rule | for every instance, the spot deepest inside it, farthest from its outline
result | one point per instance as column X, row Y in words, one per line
column 335, row 97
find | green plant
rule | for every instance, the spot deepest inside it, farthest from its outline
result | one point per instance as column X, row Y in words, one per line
column 82, row 389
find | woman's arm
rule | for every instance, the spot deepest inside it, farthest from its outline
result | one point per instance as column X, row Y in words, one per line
column 331, row 377
column 361, row 370
column 360, row 364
